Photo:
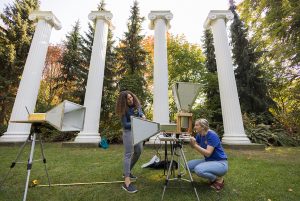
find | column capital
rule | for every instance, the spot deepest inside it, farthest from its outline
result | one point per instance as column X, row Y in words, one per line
column 105, row 15
column 163, row 14
column 217, row 14
column 48, row 16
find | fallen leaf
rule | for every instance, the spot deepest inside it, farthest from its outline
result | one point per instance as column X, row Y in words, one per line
column 268, row 148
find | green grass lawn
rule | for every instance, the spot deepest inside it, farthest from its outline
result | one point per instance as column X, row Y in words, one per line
column 273, row 174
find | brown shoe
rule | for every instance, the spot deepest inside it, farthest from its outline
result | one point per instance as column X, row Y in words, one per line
column 217, row 185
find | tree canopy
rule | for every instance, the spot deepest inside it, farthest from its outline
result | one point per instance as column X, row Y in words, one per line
column 275, row 31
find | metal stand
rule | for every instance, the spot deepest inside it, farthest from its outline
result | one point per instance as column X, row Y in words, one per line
column 32, row 138
column 178, row 146
column 166, row 157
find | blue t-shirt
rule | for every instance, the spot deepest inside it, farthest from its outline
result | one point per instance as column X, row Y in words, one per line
column 126, row 121
column 212, row 139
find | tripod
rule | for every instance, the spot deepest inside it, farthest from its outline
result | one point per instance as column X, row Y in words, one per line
column 32, row 137
column 178, row 146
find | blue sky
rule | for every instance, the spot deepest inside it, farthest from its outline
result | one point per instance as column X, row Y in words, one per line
column 188, row 15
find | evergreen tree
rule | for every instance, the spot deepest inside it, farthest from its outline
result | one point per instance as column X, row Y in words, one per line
column 74, row 72
column 251, row 84
column 87, row 44
column 209, row 51
column 133, row 57
column 16, row 32
column 109, row 121
column 211, row 86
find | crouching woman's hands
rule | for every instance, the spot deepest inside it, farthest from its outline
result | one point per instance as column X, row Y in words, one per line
column 193, row 142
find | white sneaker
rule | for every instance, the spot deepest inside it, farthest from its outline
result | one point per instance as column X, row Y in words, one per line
column 154, row 159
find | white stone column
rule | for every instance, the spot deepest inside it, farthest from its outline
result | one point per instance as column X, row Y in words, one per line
column 32, row 74
column 160, row 22
column 93, row 94
column 231, row 111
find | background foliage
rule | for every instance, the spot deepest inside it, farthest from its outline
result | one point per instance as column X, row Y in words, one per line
column 265, row 41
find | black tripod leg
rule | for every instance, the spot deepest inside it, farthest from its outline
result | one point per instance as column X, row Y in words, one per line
column 44, row 159
column 180, row 159
column 166, row 157
column 168, row 175
column 191, row 178
column 179, row 174
column 29, row 165
column 16, row 160
column 173, row 145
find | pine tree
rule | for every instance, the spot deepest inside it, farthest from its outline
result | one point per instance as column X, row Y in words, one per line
column 211, row 87
column 109, row 83
column 16, row 33
column 133, row 57
column 74, row 73
column 250, row 79
column 209, row 51
column 87, row 44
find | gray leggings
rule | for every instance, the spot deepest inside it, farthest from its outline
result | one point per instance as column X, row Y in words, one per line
column 131, row 153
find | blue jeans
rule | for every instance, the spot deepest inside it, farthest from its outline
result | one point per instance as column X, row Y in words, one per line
column 131, row 153
column 208, row 169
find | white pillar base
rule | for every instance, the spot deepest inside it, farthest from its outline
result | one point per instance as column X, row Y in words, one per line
column 236, row 139
column 88, row 138
column 14, row 137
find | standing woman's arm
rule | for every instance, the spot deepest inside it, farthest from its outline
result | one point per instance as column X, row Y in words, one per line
column 126, row 125
column 141, row 114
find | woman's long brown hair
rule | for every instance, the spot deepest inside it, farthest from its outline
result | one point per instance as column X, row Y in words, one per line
column 121, row 105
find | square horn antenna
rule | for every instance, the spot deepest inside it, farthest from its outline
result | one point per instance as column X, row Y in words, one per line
column 185, row 94
column 66, row 116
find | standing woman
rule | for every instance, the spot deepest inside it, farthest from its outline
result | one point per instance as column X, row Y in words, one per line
column 214, row 165
column 129, row 105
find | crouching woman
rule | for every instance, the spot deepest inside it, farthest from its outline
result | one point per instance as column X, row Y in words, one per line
column 214, row 165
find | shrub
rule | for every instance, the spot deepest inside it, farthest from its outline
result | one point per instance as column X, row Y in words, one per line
column 271, row 135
